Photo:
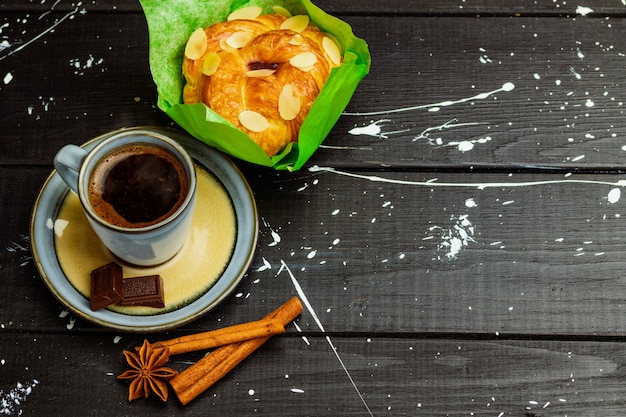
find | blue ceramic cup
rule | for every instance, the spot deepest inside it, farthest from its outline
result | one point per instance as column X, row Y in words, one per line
column 142, row 241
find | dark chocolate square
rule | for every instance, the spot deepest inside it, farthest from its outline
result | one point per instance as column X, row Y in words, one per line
column 143, row 291
column 107, row 286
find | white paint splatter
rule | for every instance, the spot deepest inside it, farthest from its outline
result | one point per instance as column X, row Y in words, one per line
column 117, row 339
column 304, row 338
column 8, row 78
column 455, row 238
column 11, row 401
column 50, row 29
column 464, row 146
column 375, row 129
column 250, row 392
column 574, row 73
column 309, row 307
column 51, row 9
column 275, row 236
column 21, row 247
column 506, row 87
column 439, row 141
column 614, row 195
column 81, row 65
column 470, row 203
column 477, row 185
column 266, row 265
column 44, row 105
column 297, row 390
column 583, row 11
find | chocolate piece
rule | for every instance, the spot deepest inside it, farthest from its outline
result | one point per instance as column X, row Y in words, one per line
column 107, row 286
column 143, row 291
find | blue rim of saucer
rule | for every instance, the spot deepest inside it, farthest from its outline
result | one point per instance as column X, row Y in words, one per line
column 53, row 193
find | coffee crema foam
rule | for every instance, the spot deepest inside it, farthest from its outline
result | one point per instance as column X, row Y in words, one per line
column 137, row 185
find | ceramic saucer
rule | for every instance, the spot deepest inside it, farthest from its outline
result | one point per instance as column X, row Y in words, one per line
column 197, row 279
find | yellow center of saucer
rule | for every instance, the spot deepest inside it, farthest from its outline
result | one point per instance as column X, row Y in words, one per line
column 192, row 272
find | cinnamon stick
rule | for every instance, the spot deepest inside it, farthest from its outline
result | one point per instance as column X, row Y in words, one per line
column 200, row 376
column 207, row 371
column 223, row 336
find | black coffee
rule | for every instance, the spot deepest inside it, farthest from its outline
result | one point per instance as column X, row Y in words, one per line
column 137, row 186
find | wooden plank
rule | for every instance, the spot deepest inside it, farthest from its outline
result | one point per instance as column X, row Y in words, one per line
column 473, row 8
column 429, row 7
column 79, row 92
column 519, row 92
column 364, row 376
column 399, row 252
column 404, row 251
column 563, row 110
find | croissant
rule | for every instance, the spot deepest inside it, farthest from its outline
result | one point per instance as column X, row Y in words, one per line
column 262, row 73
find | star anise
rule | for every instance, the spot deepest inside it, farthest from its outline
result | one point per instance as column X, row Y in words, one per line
column 148, row 373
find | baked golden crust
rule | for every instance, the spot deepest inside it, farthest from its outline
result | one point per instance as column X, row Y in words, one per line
column 253, row 68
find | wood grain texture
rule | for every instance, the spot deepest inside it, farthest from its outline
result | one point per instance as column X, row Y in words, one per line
column 458, row 239
column 288, row 375
column 395, row 7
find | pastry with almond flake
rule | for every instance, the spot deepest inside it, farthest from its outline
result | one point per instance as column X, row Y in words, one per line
column 262, row 73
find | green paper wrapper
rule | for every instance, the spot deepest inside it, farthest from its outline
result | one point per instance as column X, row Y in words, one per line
column 171, row 22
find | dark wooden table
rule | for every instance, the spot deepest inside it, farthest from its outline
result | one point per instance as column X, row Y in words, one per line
column 460, row 237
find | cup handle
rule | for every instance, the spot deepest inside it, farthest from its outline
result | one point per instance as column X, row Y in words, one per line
column 68, row 162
